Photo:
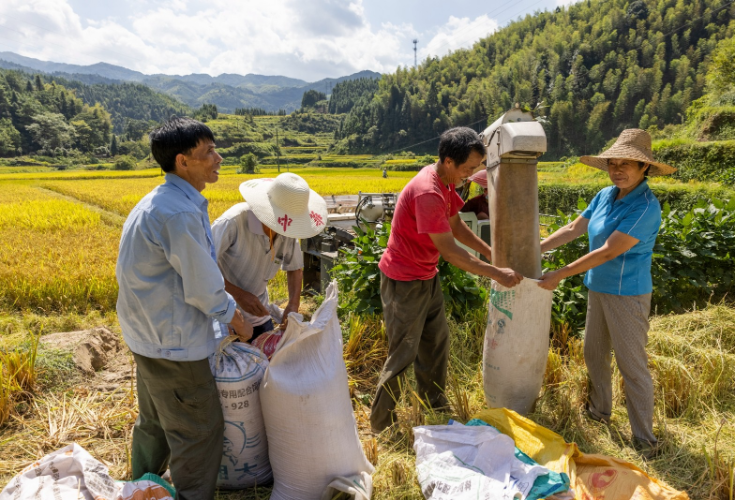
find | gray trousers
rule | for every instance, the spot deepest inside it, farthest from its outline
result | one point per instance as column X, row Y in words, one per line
column 180, row 425
column 418, row 334
column 619, row 323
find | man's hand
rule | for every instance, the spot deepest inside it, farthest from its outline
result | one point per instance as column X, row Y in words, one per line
column 250, row 303
column 241, row 327
column 289, row 309
column 507, row 277
column 550, row 281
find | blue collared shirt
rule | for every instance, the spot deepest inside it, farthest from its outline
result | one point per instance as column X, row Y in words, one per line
column 170, row 285
column 638, row 215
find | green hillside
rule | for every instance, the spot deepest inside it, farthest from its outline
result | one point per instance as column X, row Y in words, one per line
column 52, row 117
column 598, row 66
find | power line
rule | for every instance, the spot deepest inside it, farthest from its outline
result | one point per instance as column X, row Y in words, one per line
column 437, row 137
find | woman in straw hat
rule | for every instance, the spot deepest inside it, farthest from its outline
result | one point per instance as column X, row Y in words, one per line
column 622, row 221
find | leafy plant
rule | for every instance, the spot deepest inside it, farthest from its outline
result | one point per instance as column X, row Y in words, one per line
column 693, row 257
column 570, row 297
column 359, row 275
column 461, row 290
column 693, row 260
column 358, row 272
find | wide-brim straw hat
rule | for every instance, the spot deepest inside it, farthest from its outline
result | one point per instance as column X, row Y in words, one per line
column 286, row 205
column 480, row 177
column 633, row 144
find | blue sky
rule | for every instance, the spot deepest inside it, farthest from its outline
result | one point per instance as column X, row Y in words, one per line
column 307, row 39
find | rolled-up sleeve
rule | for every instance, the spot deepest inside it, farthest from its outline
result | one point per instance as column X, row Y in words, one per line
column 186, row 247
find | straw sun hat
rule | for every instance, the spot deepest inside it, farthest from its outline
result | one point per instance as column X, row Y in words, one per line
column 286, row 205
column 633, row 144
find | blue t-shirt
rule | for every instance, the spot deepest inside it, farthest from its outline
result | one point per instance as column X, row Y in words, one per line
column 638, row 215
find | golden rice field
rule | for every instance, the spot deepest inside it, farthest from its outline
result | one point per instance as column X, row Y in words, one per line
column 55, row 254
column 58, row 247
column 58, row 253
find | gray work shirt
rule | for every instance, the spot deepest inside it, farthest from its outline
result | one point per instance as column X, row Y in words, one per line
column 245, row 257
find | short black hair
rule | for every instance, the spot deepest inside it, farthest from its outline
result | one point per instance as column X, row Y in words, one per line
column 457, row 143
column 177, row 136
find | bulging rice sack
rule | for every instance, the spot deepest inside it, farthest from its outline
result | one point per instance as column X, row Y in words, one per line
column 516, row 345
column 238, row 370
column 312, row 435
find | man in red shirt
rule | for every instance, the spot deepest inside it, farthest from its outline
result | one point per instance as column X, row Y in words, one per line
column 424, row 226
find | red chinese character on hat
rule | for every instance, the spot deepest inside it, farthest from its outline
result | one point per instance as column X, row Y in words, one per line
column 318, row 220
column 285, row 221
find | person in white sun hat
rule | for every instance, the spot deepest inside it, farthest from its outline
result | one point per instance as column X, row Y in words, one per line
column 622, row 222
column 254, row 239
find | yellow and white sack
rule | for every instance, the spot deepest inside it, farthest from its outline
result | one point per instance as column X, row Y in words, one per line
column 516, row 345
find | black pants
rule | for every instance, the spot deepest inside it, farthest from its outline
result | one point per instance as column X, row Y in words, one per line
column 179, row 425
column 418, row 335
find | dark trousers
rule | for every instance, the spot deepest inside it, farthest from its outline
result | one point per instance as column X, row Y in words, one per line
column 261, row 329
column 179, row 425
column 418, row 334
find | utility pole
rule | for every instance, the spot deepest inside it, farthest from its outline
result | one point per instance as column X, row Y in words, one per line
column 278, row 153
column 415, row 58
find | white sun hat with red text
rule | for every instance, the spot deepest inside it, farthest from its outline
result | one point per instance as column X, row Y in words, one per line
column 286, row 205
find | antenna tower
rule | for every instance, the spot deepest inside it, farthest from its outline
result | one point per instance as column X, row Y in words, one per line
column 415, row 58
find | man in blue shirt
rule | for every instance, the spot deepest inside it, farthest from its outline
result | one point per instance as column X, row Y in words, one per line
column 622, row 222
column 170, row 291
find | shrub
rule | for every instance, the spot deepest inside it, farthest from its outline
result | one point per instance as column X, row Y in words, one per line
column 693, row 260
column 569, row 306
column 259, row 149
column 694, row 256
column 703, row 161
column 248, row 164
column 125, row 163
column 556, row 196
column 358, row 272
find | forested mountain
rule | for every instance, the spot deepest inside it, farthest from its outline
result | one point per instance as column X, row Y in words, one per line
column 227, row 91
column 346, row 94
column 50, row 116
column 47, row 118
column 598, row 66
column 132, row 106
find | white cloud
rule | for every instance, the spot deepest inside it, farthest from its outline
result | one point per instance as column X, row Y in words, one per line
column 459, row 33
column 308, row 39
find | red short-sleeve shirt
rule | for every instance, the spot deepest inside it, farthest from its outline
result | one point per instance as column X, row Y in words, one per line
column 424, row 207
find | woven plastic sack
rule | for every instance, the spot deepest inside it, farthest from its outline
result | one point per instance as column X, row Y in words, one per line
column 268, row 342
column 238, row 370
column 516, row 345
column 148, row 487
column 67, row 474
column 457, row 462
column 592, row 476
column 312, row 434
